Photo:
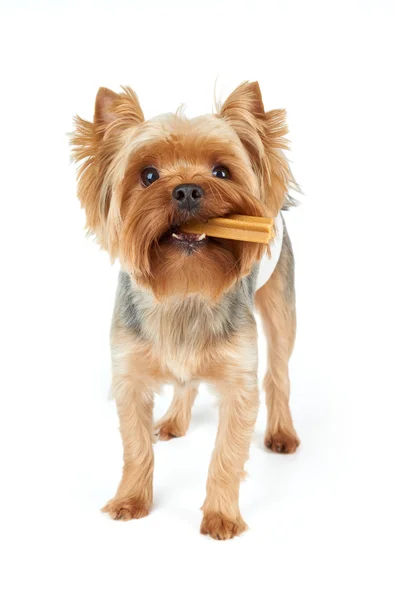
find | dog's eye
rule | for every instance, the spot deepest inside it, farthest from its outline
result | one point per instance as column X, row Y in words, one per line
column 221, row 172
column 149, row 175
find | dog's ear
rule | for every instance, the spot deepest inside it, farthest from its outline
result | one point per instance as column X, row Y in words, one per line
column 262, row 134
column 96, row 146
column 110, row 107
column 246, row 98
column 104, row 106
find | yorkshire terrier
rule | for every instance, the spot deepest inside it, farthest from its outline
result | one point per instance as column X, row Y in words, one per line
column 184, row 305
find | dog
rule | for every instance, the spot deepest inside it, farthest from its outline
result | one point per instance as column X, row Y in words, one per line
column 184, row 304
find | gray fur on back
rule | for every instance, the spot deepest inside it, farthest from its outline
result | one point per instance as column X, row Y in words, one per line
column 286, row 265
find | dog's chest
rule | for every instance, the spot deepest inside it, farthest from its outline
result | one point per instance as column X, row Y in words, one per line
column 183, row 335
column 182, row 338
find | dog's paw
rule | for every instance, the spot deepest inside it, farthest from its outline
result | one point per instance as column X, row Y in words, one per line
column 221, row 528
column 167, row 429
column 283, row 442
column 124, row 509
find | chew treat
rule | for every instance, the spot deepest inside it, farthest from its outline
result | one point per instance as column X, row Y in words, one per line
column 235, row 227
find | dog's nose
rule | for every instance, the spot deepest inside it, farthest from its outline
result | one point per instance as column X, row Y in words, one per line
column 188, row 196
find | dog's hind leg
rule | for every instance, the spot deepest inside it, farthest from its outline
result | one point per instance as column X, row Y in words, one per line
column 175, row 422
column 275, row 301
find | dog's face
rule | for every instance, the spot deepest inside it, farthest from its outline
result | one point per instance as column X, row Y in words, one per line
column 141, row 180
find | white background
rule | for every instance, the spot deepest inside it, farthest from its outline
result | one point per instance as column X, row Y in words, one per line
column 321, row 522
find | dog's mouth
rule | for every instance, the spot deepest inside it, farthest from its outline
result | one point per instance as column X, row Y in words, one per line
column 188, row 242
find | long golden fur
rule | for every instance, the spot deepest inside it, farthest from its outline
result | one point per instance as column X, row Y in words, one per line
column 184, row 311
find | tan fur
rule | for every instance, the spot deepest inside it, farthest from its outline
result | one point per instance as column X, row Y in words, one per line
column 279, row 320
column 138, row 370
column 184, row 333
column 262, row 134
column 239, row 402
column 175, row 422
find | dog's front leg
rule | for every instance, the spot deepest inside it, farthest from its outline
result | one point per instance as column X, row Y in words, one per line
column 239, row 401
column 134, row 401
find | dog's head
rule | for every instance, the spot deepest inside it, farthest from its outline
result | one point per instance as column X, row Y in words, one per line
column 139, row 181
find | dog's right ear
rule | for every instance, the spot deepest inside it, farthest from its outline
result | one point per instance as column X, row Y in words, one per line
column 96, row 146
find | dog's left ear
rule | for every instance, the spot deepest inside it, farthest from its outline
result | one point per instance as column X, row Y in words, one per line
column 262, row 134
